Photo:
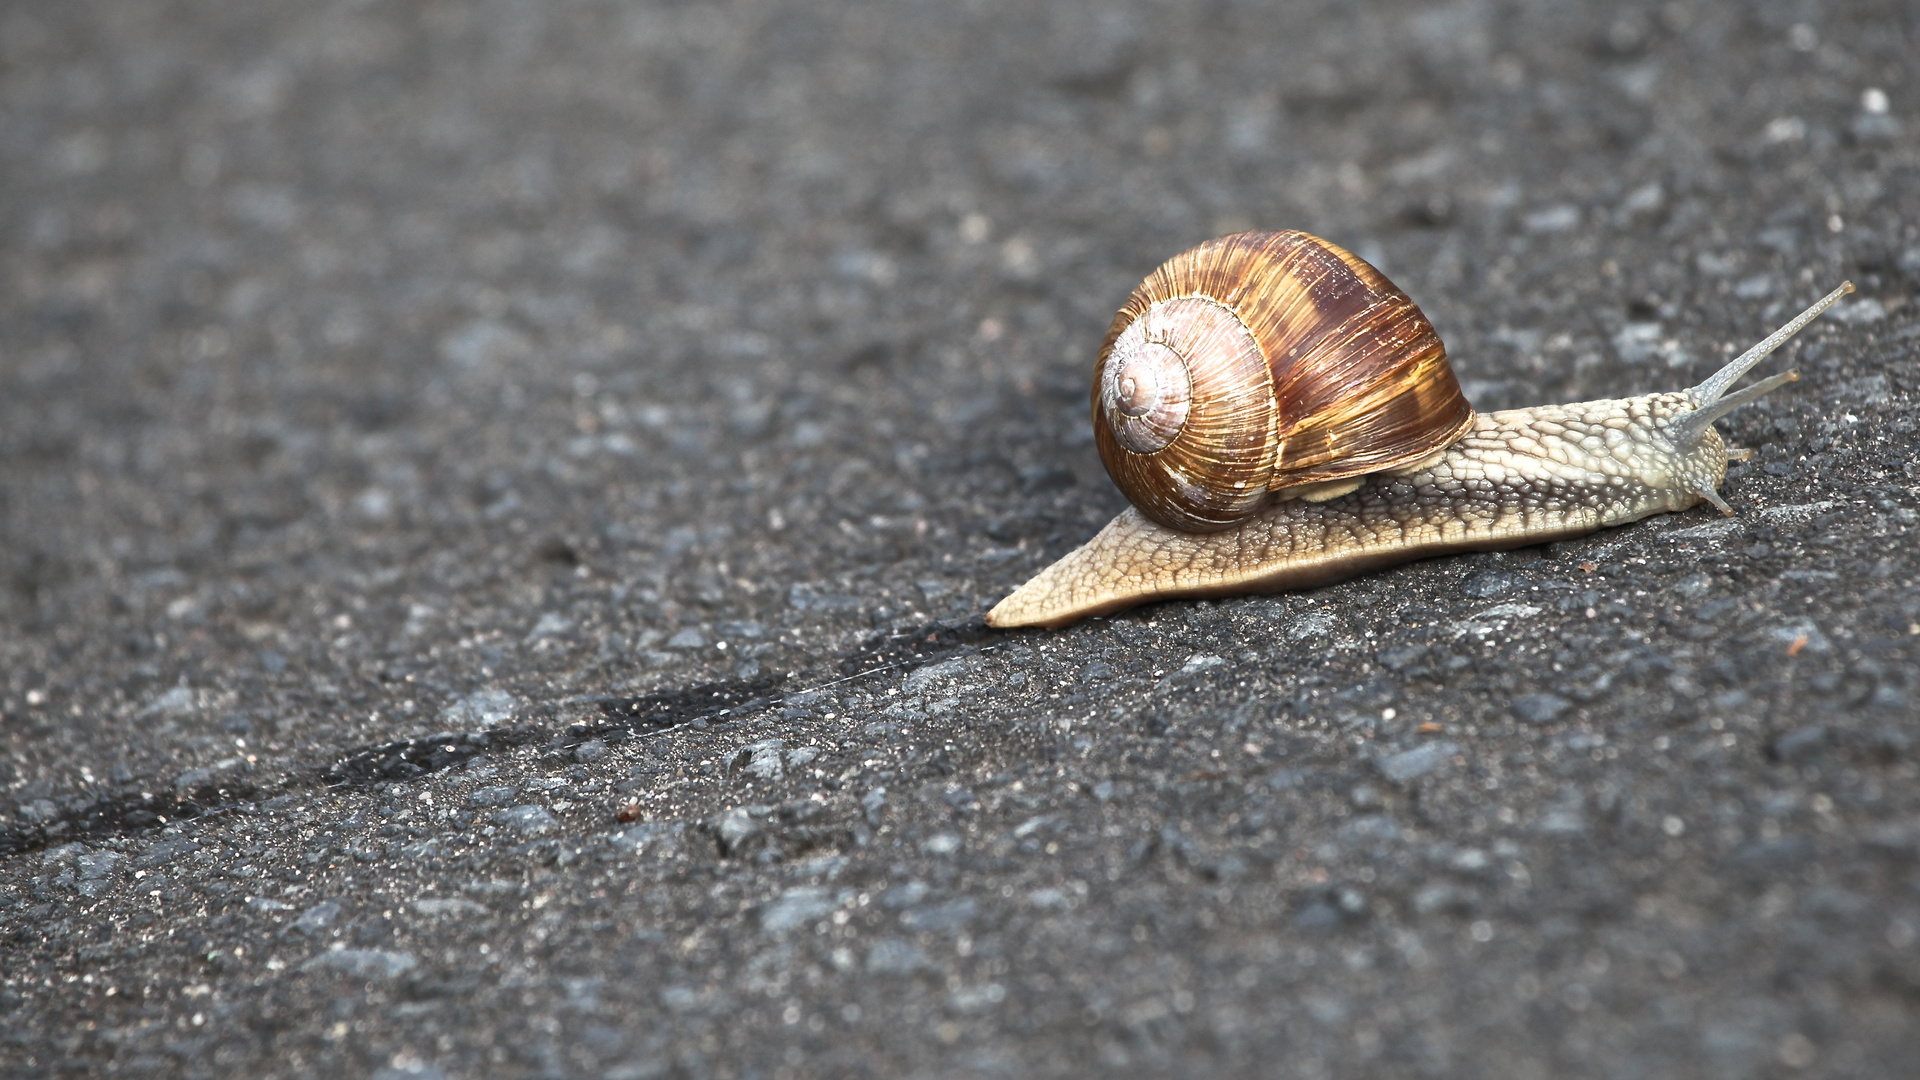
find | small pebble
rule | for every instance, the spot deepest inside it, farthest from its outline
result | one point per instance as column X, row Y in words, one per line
column 689, row 638
column 317, row 918
column 220, row 772
column 493, row 796
column 486, row 708
column 367, row 964
column 164, row 852
column 1694, row 586
column 735, row 827
column 98, row 872
column 1800, row 744
column 794, row 908
column 1313, row 624
column 923, row 678
column 764, row 759
column 873, row 803
column 940, row 918
column 1489, row 583
column 1402, row 657
column 904, row 896
column 1540, row 708
column 892, row 956
column 443, row 907
column 527, row 820
column 1443, row 897
column 1410, row 765
column 1049, row 900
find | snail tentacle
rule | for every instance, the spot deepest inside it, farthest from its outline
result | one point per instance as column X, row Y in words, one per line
column 1709, row 402
column 1716, row 384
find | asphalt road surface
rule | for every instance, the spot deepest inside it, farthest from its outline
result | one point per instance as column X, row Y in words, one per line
column 497, row 501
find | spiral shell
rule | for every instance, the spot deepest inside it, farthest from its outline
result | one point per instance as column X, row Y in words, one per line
column 1260, row 362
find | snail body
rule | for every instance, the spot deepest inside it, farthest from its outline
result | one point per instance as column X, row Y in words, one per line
column 1498, row 480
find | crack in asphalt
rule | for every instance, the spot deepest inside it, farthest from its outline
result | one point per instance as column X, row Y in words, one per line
column 402, row 760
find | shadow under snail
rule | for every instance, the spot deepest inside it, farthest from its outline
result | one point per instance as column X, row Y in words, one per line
column 1281, row 416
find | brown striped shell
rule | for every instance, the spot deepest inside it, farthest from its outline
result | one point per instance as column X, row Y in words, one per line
column 1264, row 361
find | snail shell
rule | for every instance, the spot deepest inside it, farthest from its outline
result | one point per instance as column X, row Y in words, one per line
column 1262, row 362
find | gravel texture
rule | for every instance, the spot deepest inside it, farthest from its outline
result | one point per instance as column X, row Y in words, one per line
column 497, row 499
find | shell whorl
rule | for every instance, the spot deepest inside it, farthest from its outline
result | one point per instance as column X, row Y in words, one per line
column 1263, row 361
column 1147, row 393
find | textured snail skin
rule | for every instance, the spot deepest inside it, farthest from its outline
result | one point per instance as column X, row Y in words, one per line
column 1519, row 477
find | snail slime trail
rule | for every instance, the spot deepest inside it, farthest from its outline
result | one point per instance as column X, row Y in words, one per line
column 1281, row 416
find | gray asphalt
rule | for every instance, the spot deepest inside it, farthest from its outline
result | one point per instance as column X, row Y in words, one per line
column 497, row 501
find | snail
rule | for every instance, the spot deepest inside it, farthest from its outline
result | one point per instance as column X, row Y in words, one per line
column 1281, row 416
